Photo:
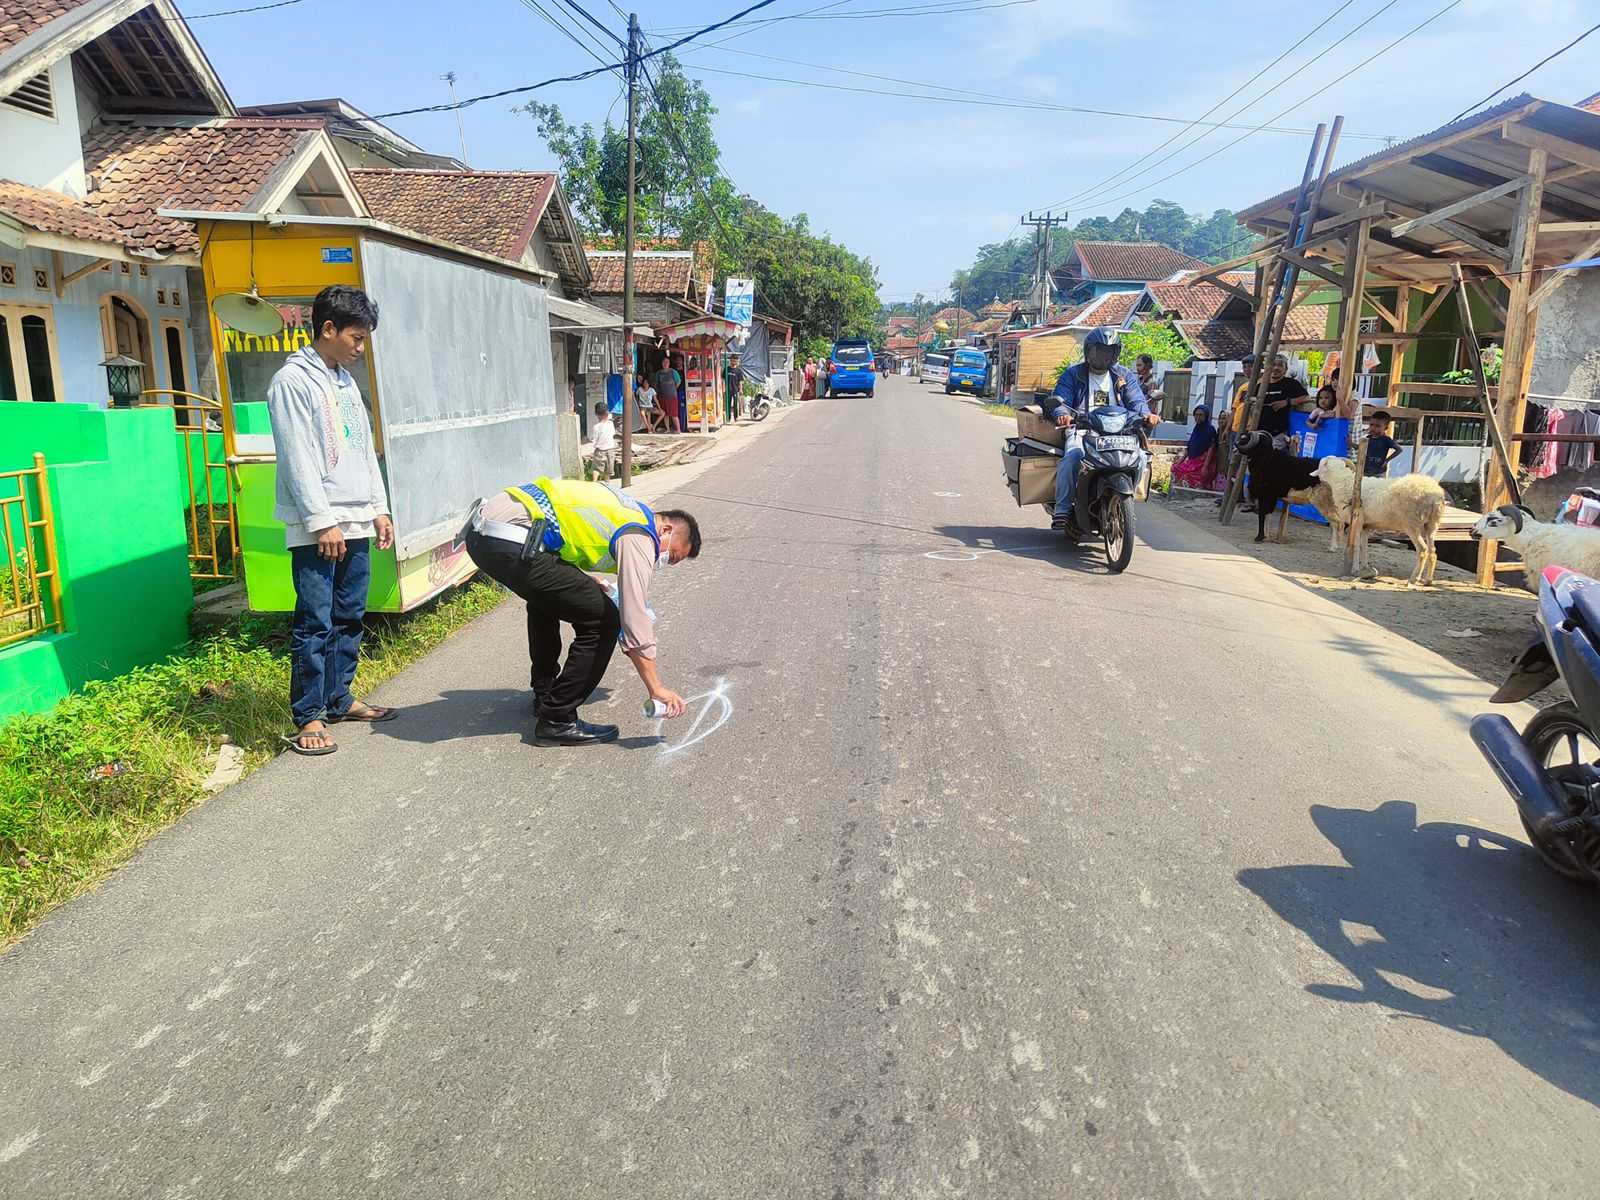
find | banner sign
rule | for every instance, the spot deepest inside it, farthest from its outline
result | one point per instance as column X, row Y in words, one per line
column 739, row 300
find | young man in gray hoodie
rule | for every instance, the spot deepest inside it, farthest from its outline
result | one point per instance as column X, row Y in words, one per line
column 332, row 500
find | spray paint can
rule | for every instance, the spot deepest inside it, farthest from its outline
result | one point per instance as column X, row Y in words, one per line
column 655, row 709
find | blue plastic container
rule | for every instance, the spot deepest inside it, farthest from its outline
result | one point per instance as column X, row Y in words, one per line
column 1328, row 436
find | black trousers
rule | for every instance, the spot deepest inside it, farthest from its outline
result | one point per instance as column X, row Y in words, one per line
column 555, row 591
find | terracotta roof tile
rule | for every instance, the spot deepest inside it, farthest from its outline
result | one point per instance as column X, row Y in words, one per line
column 21, row 19
column 1306, row 323
column 1111, row 309
column 1190, row 301
column 655, row 272
column 1217, row 341
column 51, row 212
column 221, row 165
column 494, row 212
column 950, row 315
column 1144, row 261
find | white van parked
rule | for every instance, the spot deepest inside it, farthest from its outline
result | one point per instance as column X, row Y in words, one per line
column 936, row 368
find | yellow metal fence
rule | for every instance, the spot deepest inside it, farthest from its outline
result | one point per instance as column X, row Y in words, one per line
column 211, row 516
column 30, row 580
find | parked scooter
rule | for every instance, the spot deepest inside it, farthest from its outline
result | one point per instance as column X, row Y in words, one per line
column 760, row 406
column 1109, row 477
column 1552, row 769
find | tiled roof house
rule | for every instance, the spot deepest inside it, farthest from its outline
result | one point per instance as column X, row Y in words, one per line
column 1095, row 268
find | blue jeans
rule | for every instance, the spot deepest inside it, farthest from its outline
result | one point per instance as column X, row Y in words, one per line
column 1067, row 479
column 325, row 638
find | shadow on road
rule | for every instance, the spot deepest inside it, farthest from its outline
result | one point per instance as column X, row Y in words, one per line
column 485, row 712
column 1454, row 925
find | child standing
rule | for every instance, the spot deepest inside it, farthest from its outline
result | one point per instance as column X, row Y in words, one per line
column 605, row 443
column 1381, row 448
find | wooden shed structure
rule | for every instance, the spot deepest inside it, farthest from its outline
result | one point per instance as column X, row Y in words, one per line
column 1480, row 216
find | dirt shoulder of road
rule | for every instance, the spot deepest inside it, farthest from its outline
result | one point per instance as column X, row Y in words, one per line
column 1477, row 630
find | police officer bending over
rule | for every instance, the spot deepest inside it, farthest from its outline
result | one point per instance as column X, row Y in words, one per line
column 539, row 540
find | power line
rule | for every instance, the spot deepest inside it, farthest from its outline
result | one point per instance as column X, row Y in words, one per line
column 595, row 21
column 1523, row 76
column 579, row 77
column 234, row 12
column 515, row 91
column 915, row 10
column 1281, row 112
column 1024, row 105
column 999, row 100
column 1145, row 157
column 586, row 46
column 1095, row 195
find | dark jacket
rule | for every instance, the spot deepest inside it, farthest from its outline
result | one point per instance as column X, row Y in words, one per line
column 1072, row 390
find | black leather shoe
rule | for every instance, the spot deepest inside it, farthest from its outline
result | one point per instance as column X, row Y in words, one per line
column 574, row 733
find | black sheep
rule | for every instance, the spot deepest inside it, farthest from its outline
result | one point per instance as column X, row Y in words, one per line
column 1273, row 475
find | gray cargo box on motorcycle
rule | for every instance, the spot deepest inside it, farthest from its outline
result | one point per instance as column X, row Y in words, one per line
column 1030, row 470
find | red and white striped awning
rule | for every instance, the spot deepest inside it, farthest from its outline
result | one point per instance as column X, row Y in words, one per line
column 706, row 326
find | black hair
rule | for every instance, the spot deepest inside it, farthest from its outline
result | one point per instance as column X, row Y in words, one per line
column 1144, row 358
column 344, row 306
column 601, row 409
column 693, row 526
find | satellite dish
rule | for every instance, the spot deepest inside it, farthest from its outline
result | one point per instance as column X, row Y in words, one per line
column 248, row 313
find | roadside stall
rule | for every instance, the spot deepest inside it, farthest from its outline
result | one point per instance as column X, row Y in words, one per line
column 457, row 378
column 701, row 341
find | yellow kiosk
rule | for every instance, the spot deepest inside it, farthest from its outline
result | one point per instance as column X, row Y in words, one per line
column 457, row 378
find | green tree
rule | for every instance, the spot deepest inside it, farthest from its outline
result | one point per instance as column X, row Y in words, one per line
column 675, row 159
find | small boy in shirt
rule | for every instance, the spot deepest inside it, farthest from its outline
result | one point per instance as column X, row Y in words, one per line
column 605, row 442
column 1381, row 448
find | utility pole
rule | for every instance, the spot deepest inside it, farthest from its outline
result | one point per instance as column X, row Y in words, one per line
column 628, row 414
column 461, row 126
column 1041, row 256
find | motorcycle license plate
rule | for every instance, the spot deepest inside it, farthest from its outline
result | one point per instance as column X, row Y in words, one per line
column 1118, row 441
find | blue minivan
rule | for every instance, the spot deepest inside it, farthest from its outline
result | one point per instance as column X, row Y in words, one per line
column 969, row 372
column 853, row 367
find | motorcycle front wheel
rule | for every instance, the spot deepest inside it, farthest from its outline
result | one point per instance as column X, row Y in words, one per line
column 1116, row 528
column 759, row 411
column 1563, row 744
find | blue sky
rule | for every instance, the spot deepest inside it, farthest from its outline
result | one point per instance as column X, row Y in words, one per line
column 917, row 184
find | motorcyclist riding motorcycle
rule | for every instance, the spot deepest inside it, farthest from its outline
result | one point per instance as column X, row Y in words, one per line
column 1094, row 382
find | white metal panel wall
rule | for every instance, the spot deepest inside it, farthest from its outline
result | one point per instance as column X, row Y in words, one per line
column 462, row 357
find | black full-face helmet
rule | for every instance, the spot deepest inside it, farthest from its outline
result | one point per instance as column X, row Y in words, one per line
column 1101, row 349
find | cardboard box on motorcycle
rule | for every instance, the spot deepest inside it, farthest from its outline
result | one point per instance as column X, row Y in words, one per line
column 1033, row 481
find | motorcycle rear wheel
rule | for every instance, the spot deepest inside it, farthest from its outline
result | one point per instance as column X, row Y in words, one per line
column 1116, row 530
column 1556, row 736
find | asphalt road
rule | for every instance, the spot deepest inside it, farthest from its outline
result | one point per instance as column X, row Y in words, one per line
column 1000, row 878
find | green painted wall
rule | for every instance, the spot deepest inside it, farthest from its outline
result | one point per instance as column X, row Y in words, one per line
column 115, row 484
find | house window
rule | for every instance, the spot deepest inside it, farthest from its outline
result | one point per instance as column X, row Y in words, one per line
column 41, row 279
column 161, row 295
column 174, row 342
column 35, row 96
column 29, row 369
column 8, row 274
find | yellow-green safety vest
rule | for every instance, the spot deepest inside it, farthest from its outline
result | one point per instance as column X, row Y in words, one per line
column 582, row 521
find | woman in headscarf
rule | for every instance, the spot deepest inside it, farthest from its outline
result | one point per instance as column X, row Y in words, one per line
column 1198, row 467
column 810, row 390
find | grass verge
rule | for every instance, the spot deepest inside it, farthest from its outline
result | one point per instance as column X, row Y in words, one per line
column 1000, row 410
column 67, row 821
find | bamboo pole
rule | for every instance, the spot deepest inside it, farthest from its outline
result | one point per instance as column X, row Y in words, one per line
column 1497, row 435
column 1270, row 331
column 47, row 519
column 1350, row 347
column 1516, row 358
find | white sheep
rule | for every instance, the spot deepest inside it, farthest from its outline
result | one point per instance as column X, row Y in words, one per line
column 1541, row 544
column 1412, row 505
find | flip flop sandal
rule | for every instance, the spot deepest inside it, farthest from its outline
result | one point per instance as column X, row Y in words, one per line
column 376, row 713
column 293, row 742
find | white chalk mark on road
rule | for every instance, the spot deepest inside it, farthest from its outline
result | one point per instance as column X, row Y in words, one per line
column 947, row 495
column 713, row 715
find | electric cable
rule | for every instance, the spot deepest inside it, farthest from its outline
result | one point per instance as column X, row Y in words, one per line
column 1282, row 112
column 586, row 46
column 1285, row 54
column 1092, row 196
column 1524, row 75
